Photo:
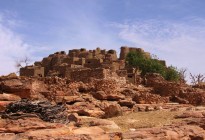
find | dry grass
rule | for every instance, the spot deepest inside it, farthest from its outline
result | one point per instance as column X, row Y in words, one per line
column 145, row 119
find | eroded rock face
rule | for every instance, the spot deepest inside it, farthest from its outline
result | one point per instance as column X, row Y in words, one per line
column 85, row 107
column 161, row 86
column 180, row 93
column 15, row 86
column 193, row 96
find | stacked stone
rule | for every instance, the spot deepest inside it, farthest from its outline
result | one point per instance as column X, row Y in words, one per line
column 109, row 86
column 148, row 98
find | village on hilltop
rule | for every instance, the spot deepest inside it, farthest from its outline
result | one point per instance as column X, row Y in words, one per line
column 82, row 64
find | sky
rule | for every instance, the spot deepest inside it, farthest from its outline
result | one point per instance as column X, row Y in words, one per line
column 174, row 30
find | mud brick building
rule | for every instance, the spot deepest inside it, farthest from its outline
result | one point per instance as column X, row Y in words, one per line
column 82, row 64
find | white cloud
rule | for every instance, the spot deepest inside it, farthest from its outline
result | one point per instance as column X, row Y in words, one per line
column 181, row 44
column 12, row 46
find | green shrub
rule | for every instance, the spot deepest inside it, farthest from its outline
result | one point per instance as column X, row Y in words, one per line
column 172, row 74
column 147, row 65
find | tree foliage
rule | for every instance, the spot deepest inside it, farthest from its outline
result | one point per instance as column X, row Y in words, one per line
column 172, row 74
column 149, row 65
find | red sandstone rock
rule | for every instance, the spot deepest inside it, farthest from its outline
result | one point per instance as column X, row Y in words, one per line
column 128, row 92
column 95, row 133
column 54, row 133
column 193, row 96
column 115, row 97
column 174, row 132
column 92, row 113
column 68, row 99
column 109, row 86
column 112, row 111
column 9, row 97
column 161, row 86
column 73, row 117
column 23, row 125
column 15, row 86
column 100, row 95
column 179, row 100
column 60, row 93
column 128, row 103
column 3, row 105
column 148, row 98
column 89, row 130
column 191, row 114
column 8, row 136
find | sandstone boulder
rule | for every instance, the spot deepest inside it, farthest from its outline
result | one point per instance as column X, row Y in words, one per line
column 68, row 99
column 179, row 100
column 100, row 95
column 92, row 113
column 4, row 104
column 15, row 86
column 9, row 97
column 128, row 92
column 128, row 103
column 115, row 97
column 191, row 114
column 113, row 110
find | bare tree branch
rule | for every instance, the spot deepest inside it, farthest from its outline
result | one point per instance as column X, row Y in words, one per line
column 22, row 63
column 183, row 75
column 197, row 79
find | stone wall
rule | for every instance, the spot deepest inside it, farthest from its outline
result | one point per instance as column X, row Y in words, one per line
column 36, row 71
column 85, row 75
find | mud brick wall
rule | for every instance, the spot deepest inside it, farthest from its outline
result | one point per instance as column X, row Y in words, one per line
column 26, row 72
column 125, row 50
column 85, row 75
column 46, row 64
column 62, row 70
column 93, row 63
column 32, row 71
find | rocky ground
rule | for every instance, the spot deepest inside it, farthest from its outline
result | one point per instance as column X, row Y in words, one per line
column 56, row 108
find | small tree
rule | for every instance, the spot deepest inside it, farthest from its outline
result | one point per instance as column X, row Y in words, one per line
column 22, row 63
column 197, row 79
column 183, row 75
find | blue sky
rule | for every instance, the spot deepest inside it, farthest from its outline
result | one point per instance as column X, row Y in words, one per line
column 174, row 30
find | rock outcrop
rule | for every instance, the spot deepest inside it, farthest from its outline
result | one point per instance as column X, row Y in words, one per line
column 61, row 108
